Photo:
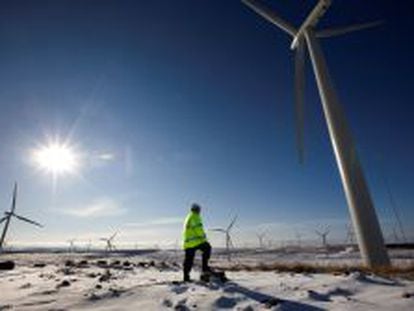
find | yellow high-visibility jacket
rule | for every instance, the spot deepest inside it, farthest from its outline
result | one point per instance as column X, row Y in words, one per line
column 193, row 233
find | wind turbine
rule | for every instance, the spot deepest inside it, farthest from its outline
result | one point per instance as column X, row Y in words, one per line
column 71, row 245
column 8, row 216
column 229, row 242
column 109, row 245
column 260, row 237
column 298, row 236
column 350, row 236
column 394, row 235
column 88, row 246
column 323, row 234
column 364, row 218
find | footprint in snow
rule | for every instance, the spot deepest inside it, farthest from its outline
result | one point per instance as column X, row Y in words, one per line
column 167, row 303
column 179, row 289
column 224, row 302
column 181, row 305
column 327, row 296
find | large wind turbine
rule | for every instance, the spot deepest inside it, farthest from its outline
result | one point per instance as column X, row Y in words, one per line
column 363, row 215
column 8, row 216
column 109, row 242
column 229, row 242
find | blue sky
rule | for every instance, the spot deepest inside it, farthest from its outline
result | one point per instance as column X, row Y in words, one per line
column 169, row 104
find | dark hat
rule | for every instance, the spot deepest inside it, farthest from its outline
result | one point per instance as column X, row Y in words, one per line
column 195, row 207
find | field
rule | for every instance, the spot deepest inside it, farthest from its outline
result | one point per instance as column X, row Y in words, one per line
column 283, row 279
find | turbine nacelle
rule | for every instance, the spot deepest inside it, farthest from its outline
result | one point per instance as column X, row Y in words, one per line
column 299, row 45
column 311, row 21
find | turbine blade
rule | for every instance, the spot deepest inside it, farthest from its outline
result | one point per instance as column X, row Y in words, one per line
column 113, row 236
column 333, row 32
column 270, row 16
column 232, row 223
column 14, row 198
column 299, row 98
column 3, row 219
column 27, row 220
column 218, row 230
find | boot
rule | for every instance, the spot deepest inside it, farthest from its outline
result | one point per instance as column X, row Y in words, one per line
column 187, row 278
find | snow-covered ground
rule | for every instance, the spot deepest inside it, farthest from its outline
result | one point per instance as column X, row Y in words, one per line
column 49, row 281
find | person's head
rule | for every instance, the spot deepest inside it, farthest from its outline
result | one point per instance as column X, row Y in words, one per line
column 195, row 208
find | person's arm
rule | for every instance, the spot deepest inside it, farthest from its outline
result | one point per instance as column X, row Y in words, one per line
column 189, row 221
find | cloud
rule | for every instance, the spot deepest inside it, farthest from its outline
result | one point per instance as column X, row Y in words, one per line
column 156, row 222
column 106, row 156
column 102, row 207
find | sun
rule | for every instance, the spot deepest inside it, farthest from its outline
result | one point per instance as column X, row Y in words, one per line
column 56, row 158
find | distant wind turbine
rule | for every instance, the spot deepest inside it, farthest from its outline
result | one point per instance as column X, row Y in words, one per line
column 323, row 234
column 364, row 218
column 71, row 245
column 260, row 237
column 229, row 242
column 88, row 246
column 350, row 235
column 298, row 236
column 109, row 242
column 395, row 236
column 9, row 215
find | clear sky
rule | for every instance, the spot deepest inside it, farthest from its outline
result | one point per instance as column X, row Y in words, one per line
column 170, row 102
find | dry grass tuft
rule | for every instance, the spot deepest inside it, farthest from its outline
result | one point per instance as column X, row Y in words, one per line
column 406, row 272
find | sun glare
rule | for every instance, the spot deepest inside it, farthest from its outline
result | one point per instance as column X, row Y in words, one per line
column 56, row 159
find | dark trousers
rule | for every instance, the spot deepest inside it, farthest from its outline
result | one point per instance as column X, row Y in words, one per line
column 190, row 254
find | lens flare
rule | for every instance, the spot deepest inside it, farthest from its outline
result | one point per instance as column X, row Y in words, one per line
column 56, row 158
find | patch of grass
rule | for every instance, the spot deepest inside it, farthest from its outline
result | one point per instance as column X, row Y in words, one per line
column 406, row 272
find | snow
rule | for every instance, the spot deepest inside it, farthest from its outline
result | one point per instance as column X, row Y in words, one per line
column 145, row 282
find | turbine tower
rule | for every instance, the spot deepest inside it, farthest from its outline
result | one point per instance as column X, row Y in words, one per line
column 229, row 242
column 8, row 216
column 363, row 215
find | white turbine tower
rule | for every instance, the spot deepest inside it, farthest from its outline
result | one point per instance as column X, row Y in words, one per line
column 364, row 218
column 229, row 242
column 8, row 216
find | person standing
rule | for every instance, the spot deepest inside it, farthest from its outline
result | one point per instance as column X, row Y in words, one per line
column 194, row 238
